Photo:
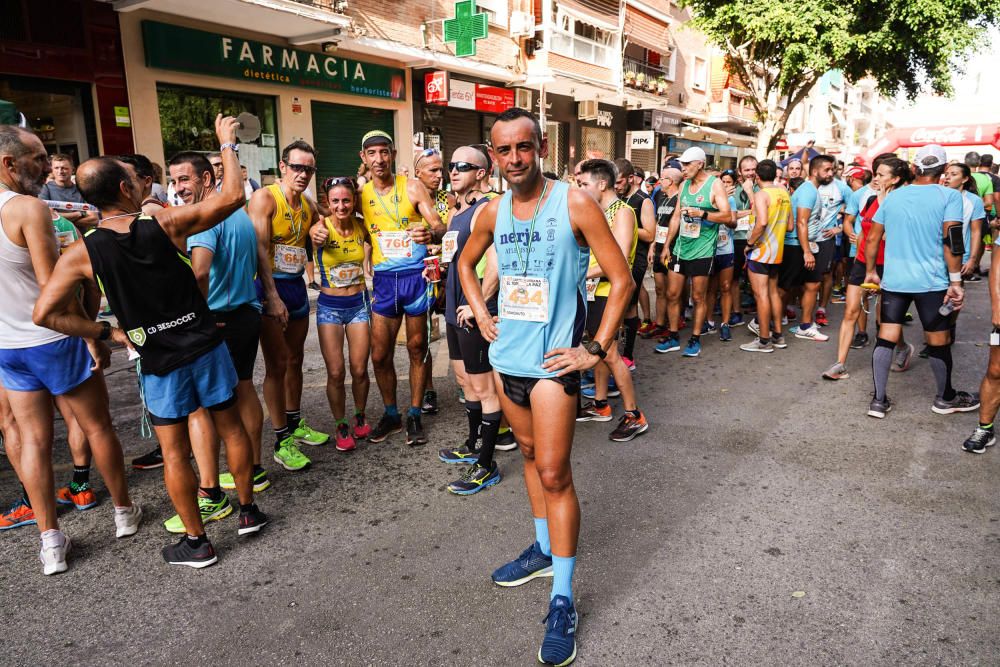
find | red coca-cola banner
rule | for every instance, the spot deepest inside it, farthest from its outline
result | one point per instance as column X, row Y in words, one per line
column 944, row 135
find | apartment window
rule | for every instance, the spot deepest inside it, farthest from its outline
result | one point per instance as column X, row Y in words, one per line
column 495, row 10
column 576, row 39
column 699, row 74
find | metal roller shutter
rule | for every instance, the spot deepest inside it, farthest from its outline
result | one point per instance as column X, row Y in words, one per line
column 460, row 128
column 337, row 132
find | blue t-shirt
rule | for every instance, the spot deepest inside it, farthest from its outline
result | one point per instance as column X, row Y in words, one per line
column 853, row 207
column 234, row 263
column 914, row 217
column 832, row 198
column 972, row 209
column 724, row 244
column 806, row 196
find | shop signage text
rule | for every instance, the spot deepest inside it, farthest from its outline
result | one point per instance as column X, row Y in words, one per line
column 440, row 89
column 199, row 52
column 605, row 119
column 642, row 140
column 436, row 87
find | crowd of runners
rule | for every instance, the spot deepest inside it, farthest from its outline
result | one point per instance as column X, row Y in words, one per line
column 542, row 288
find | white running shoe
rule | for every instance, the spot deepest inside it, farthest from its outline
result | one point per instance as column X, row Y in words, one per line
column 127, row 522
column 54, row 557
column 812, row 333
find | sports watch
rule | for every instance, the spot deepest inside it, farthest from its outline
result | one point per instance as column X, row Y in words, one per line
column 105, row 330
column 596, row 349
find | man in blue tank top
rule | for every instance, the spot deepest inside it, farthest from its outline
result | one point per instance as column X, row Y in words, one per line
column 543, row 233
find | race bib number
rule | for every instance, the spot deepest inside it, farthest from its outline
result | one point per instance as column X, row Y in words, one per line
column 449, row 245
column 289, row 258
column 813, row 247
column 744, row 224
column 592, row 284
column 65, row 240
column 524, row 298
column 395, row 245
column 723, row 237
column 690, row 227
column 345, row 275
column 661, row 234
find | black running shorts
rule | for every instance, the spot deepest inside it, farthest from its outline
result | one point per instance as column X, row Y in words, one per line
column 518, row 389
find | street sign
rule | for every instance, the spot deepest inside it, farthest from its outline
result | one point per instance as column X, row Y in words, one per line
column 467, row 27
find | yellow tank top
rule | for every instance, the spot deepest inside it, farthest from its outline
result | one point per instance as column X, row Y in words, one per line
column 387, row 216
column 441, row 206
column 341, row 259
column 289, row 231
column 771, row 245
column 604, row 287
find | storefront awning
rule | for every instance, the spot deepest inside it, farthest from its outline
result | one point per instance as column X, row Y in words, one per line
column 593, row 12
column 297, row 22
column 645, row 31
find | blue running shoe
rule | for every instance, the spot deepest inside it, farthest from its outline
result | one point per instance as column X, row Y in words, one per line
column 725, row 335
column 458, row 455
column 591, row 391
column 668, row 345
column 559, row 644
column 530, row 564
column 693, row 348
column 587, row 379
column 475, row 480
column 708, row 327
column 736, row 320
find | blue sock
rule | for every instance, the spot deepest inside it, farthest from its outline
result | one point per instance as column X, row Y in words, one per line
column 804, row 326
column 413, row 412
column 562, row 576
column 392, row 411
column 542, row 535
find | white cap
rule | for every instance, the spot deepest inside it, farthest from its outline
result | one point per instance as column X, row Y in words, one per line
column 930, row 156
column 693, row 154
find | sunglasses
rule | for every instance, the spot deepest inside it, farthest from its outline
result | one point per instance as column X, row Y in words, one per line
column 335, row 181
column 301, row 168
column 463, row 166
column 427, row 152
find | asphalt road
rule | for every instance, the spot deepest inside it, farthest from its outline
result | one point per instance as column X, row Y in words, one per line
column 763, row 520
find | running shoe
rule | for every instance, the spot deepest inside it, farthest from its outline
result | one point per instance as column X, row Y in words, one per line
column 725, row 334
column 430, row 404
column 736, row 320
column 836, row 372
column 778, row 341
column 260, row 481
column 127, row 522
column 153, row 459
column 289, row 456
column 629, row 427
column 974, row 278
column 361, row 427
column 784, row 320
column 668, row 345
column 183, row 553
column 210, row 510
column 812, row 333
column 559, row 645
column 908, row 317
column 923, row 352
column 475, row 480
column 54, row 557
column 963, row 401
column 879, row 409
column 307, row 436
column 645, row 327
column 415, row 432
column 18, row 515
column 629, row 364
column 860, row 341
column 314, row 286
column 657, row 332
column 820, row 318
column 708, row 327
column 901, row 358
column 463, row 454
column 531, row 564
column 385, row 427
column 80, row 496
column 506, row 441
column 591, row 413
column 587, row 379
column 980, row 439
column 790, row 313
column 756, row 346
column 343, row 439
column 461, row 396
column 683, row 323
column 591, row 392
column 693, row 348
column 250, row 520
column 753, row 327
column 838, row 298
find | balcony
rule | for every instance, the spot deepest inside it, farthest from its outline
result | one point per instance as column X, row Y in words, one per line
column 643, row 76
column 733, row 113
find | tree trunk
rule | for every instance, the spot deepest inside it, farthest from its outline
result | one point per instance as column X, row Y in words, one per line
column 768, row 132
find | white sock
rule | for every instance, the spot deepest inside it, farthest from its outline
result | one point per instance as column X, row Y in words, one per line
column 124, row 510
column 53, row 538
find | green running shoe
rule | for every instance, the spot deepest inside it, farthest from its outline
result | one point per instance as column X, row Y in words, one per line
column 260, row 481
column 210, row 511
column 308, row 436
column 288, row 455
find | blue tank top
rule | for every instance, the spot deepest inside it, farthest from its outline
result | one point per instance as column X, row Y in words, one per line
column 453, row 294
column 556, row 256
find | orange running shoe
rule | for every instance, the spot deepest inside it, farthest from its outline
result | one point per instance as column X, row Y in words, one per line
column 591, row 413
column 18, row 515
column 629, row 427
column 83, row 498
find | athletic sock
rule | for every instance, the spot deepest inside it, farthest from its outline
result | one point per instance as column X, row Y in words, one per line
column 939, row 357
column 245, row 508
column 562, row 576
column 81, row 475
column 504, row 430
column 213, row 492
column 53, row 538
column 600, row 403
column 392, row 411
column 804, row 325
column 986, row 427
column 196, row 541
column 474, row 413
column 631, row 329
column 542, row 535
column 881, row 362
column 413, row 412
column 672, row 335
column 257, row 469
column 635, row 413
column 292, row 418
column 24, row 496
column 489, row 428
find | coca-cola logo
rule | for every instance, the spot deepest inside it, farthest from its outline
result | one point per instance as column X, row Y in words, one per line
column 939, row 135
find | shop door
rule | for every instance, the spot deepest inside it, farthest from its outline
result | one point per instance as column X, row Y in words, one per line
column 461, row 128
column 337, row 132
column 598, row 143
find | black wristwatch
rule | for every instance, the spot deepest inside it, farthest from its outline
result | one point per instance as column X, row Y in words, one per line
column 704, row 216
column 105, row 330
column 596, row 349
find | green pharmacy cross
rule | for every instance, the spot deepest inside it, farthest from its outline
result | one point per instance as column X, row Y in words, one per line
column 467, row 27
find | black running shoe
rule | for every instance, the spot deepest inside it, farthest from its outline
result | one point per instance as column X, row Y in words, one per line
column 980, row 439
column 415, row 432
column 183, row 553
column 430, row 405
column 963, row 401
column 506, row 441
column 386, row 426
column 879, row 409
column 153, row 459
column 860, row 341
column 251, row 521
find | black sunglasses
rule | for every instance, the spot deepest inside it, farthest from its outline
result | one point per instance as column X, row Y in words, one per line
column 463, row 166
column 301, row 168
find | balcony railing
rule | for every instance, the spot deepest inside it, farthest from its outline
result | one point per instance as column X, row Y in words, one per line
column 644, row 76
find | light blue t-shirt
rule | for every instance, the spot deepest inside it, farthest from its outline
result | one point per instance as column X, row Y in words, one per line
column 832, row 198
column 806, row 196
column 853, row 207
column 233, row 243
column 914, row 217
column 972, row 209
column 724, row 244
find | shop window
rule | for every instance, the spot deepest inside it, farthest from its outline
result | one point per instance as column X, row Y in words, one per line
column 495, row 10
column 555, row 161
column 598, row 143
column 187, row 123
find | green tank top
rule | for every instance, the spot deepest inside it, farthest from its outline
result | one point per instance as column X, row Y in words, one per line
column 697, row 237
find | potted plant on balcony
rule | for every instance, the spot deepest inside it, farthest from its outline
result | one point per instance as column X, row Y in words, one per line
column 651, row 84
column 629, row 78
column 661, row 86
column 640, row 80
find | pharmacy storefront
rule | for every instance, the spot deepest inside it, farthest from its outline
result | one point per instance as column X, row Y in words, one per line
column 180, row 76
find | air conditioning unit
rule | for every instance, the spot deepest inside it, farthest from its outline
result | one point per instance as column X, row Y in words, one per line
column 522, row 98
column 587, row 110
column 522, row 24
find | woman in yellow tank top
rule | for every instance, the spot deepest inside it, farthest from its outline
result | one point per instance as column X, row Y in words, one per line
column 342, row 247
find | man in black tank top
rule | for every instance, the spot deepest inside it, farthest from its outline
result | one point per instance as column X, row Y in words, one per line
column 628, row 190
column 139, row 263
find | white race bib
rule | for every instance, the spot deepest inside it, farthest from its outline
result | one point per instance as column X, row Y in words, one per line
column 813, row 247
column 690, row 227
column 723, row 237
column 395, row 245
column 289, row 258
column 592, row 284
column 449, row 244
column 744, row 223
column 524, row 298
column 65, row 240
column 345, row 275
column 661, row 234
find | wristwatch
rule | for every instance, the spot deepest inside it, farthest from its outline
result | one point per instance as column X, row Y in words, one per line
column 236, row 149
column 704, row 215
column 596, row 349
column 105, row 330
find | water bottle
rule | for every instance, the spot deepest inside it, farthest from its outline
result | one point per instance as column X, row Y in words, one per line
column 946, row 309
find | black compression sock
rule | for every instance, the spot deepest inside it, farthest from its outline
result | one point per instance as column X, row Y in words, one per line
column 292, row 418
column 489, row 429
column 279, row 435
column 197, row 541
column 599, row 403
column 258, row 468
column 939, row 358
column 246, row 508
column 214, row 492
column 631, row 329
column 474, row 413
column 81, row 474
